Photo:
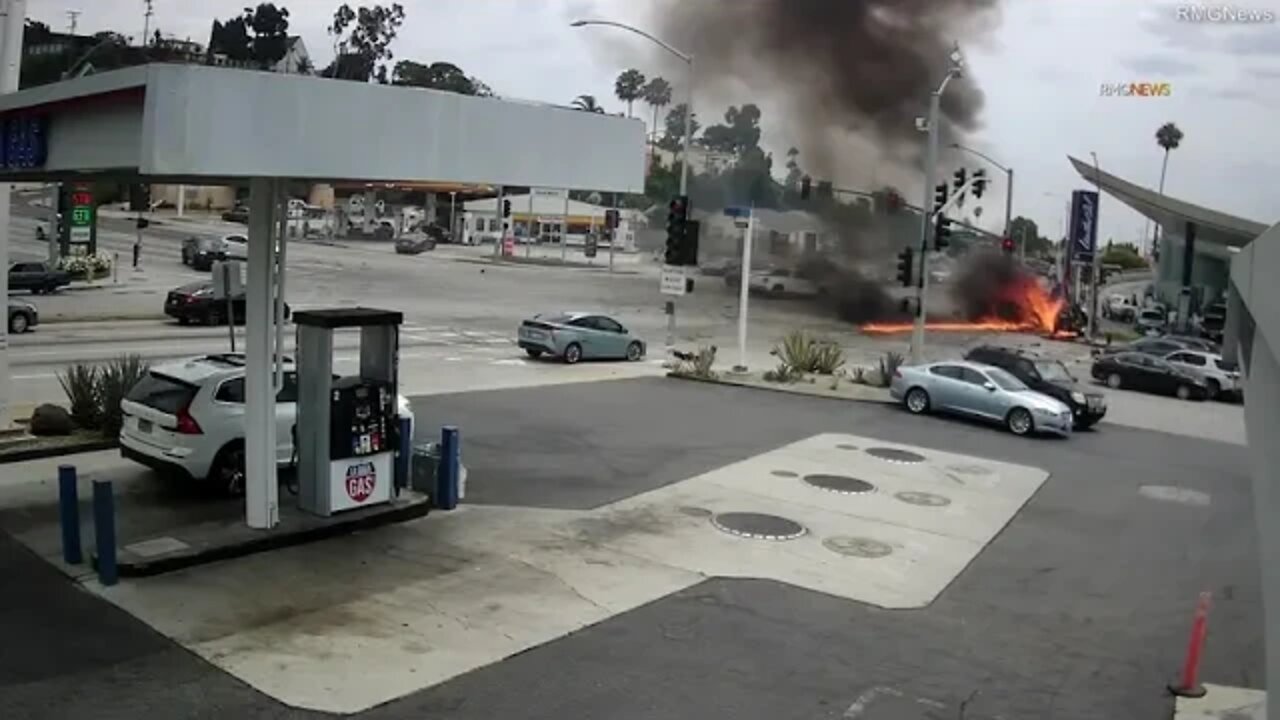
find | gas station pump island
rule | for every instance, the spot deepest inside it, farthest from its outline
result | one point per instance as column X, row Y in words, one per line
column 200, row 125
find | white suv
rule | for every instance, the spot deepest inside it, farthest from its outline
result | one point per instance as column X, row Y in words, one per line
column 187, row 418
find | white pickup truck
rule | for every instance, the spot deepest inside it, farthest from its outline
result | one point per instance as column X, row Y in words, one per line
column 782, row 282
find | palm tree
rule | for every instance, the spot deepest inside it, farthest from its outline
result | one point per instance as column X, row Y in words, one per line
column 629, row 87
column 658, row 94
column 1169, row 137
column 587, row 103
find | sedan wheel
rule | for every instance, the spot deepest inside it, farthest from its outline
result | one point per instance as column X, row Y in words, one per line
column 635, row 351
column 573, row 353
column 917, row 400
column 1114, row 381
column 1183, row 392
column 1019, row 421
column 18, row 323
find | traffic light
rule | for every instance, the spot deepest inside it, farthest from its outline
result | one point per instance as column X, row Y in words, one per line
column 689, row 246
column 979, row 182
column 506, row 208
column 905, row 259
column 941, row 233
column 939, row 195
column 677, row 220
column 611, row 219
column 960, row 176
column 892, row 201
column 1007, row 245
column 806, row 187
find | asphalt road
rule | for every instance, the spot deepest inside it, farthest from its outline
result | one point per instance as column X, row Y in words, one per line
column 1079, row 608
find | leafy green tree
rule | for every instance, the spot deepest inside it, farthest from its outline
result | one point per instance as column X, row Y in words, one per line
column 587, row 103
column 362, row 41
column 437, row 76
column 231, row 38
column 673, row 134
column 1023, row 229
column 739, row 133
column 270, row 26
column 629, row 87
column 1126, row 255
column 658, row 94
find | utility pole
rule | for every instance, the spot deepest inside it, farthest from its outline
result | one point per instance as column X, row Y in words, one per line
column 146, row 23
column 74, row 17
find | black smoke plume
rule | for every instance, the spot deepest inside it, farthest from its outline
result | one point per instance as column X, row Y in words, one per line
column 863, row 68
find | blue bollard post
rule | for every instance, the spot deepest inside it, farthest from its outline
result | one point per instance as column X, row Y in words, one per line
column 447, row 472
column 69, row 514
column 404, row 454
column 104, row 531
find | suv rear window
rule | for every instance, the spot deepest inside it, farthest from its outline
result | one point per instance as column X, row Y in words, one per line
column 163, row 393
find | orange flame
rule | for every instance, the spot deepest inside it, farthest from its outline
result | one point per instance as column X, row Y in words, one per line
column 1025, row 299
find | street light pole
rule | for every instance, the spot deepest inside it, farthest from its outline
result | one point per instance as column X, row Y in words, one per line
column 926, row 206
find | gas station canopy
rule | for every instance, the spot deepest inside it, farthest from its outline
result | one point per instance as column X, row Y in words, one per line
column 191, row 123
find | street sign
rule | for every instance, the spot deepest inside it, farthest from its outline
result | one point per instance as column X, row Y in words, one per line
column 560, row 193
column 673, row 280
column 737, row 212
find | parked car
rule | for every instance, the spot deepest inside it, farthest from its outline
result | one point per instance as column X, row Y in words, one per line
column 1119, row 308
column 1214, row 322
column 1147, row 373
column 37, row 278
column 1151, row 321
column 237, row 214
column 576, row 336
column 1046, row 376
column 1221, row 378
column 195, row 303
column 22, row 316
column 1157, row 346
column 201, row 253
column 1196, row 343
column 719, row 268
column 979, row 391
column 235, row 247
column 186, row 419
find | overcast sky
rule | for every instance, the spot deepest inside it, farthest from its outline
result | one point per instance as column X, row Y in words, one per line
column 1041, row 69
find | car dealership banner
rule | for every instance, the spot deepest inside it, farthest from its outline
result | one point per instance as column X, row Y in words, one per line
column 1084, row 224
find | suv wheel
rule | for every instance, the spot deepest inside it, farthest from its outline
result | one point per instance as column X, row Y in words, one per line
column 228, row 473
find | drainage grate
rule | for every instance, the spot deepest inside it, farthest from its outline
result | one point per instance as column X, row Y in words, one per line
column 894, row 455
column 840, row 484
column 785, row 474
column 857, row 546
column 922, row 498
column 758, row 526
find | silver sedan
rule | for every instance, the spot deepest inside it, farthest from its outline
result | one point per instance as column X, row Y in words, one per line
column 979, row 391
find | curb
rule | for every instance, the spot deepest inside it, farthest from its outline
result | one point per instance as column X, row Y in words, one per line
column 784, row 390
column 43, row 453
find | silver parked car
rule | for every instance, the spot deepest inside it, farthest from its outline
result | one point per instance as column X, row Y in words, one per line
column 575, row 336
column 979, row 391
column 1221, row 377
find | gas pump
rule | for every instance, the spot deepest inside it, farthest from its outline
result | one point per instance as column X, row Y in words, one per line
column 347, row 427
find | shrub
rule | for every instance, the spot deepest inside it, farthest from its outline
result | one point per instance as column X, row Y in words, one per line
column 114, row 382
column 50, row 420
column 806, row 354
column 827, row 358
column 699, row 365
column 784, row 373
column 87, row 267
column 889, row 365
column 859, row 375
column 80, row 383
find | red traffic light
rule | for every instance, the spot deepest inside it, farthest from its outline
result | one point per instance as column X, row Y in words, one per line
column 1007, row 244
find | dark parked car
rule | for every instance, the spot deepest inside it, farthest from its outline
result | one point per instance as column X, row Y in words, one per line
column 22, row 317
column 1157, row 346
column 36, row 277
column 414, row 244
column 1140, row 371
column 1045, row 376
column 237, row 214
column 195, row 303
column 202, row 253
column 1214, row 323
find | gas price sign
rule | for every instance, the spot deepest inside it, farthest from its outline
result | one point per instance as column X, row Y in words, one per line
column 81, row 215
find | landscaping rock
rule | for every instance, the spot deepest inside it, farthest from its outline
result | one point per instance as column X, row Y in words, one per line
column 51, row 420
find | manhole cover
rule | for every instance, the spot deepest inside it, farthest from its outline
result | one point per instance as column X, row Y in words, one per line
column 857, row 547
column 840, row 484
column 695, row 512
column 922, row 498
column 969, row 469
column 785, row 474
column 847, row 446
column 894, row 455
column 758, row 526
column 1169, row 493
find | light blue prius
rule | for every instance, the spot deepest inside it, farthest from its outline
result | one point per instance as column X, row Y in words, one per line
column 575, row 336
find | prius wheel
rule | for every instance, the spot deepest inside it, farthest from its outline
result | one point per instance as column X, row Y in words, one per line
column 1114, row 381
column 1019, row 421
column 917, row 400
column 573, row 353
column 635, row 351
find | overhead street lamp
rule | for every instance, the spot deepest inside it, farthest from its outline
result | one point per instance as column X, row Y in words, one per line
column 688, row 104
column 1008, row 195
column 955, row 68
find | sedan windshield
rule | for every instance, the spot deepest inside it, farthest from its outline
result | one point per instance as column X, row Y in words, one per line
column 1005, row 380
column 1054, row 371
